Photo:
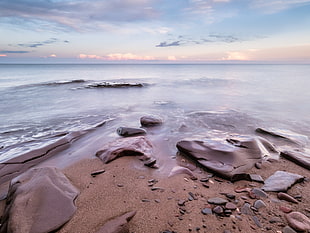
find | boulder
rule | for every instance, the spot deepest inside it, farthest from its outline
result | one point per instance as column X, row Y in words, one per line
column 39, row 200
column 231, row 159
column 132, row 146
column 149, row 121
column 281, row 181
column 297, row 157
column 127, row 131
column 118, row 224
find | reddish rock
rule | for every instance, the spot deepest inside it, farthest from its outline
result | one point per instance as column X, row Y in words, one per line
column 285, row 209
column 286, row 197
column 298, row 221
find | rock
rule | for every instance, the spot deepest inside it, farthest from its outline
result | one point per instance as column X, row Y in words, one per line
column 39, row 200
column 113, row 85
column 281, row 181
column 131, row 146
column 96, row 173
column 230, row 206
column 217, row 201
column 256, row 178
column 127, row 132
column 298, row 221
column 285, row 134
column 118, row 224
column 229, row 160
column 218, row 210
column 258, row 193
column 256, row 221
column 149, row 121
column 297, row 157
column 288, row 229
column 285, row 209
column 150, row 162
column 259, row 204
column 206, row 211
column 180, row 170
column 286, row 197
column 246, row 209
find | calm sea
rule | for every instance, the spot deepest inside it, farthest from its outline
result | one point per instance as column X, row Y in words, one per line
column 39, row 103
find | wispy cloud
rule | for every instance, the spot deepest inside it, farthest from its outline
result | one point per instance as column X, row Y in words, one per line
column 273, row 6
column 41, row 43
column 80, row 14
column 13, row 51
column 117, row 57
column 211, row 38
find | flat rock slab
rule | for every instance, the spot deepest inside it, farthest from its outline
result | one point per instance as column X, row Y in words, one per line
column 39, row 200
column 297, row 157
column 230, row 159
column 298, row 221
column 285, row 134
column 281, row 181
column 118, row 224
column 133, row 146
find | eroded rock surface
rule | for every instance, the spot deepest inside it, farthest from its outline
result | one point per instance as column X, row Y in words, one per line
column 281, row 181
column 231, row 159
column 39, row 200
column 133, row 146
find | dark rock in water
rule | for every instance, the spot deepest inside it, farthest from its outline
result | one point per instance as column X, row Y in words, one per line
column 285, row 134
column 298, row 221
column 114, row 85
column 127, row 132
column 281, row 181
column 132, row 146
column 229, row 160
column 297, row 157
column 286, row 197
column 118, row 224
column 39, row 200
column 148, row 121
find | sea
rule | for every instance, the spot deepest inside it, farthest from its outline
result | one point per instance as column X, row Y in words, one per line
column 40, row 103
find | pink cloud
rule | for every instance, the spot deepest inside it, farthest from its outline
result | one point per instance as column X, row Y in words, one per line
column 117, row 57
column 3, row 55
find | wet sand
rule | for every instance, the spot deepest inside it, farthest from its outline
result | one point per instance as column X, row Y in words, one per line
column 123, row 187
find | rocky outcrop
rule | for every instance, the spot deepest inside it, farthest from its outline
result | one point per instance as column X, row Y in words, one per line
column 230, row 160
column 132, row 146
column 118, row 224
column 39, row 200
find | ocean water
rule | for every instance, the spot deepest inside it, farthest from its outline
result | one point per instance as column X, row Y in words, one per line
column 40, row 103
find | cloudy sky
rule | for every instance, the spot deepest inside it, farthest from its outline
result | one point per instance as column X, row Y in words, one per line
column 155, row 31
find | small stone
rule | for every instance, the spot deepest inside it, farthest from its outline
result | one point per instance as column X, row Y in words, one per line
column 230, row 196
column 148, row 121
column 257, row 222
column 246, row 209
column 205, row 185
column 275, row 220
column 258, row 193
column 145, row 200
column 218, row 210
column 149, row 162
column 95, row 173
column 157, row 188
column 206, row 211
column 181, row 202
column 204, row 180
column 288, row 229
column 285, row 209
column 298, row 221
column 259, row 204
column 193, row 196
column 226, row 231
column 286, row 197
column 217, row 201
column 127, row 132
column 120, row 185
column 256, row 178
column 230, row 206
column 157, row 200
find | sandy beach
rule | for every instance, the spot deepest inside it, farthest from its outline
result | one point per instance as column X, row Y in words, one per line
column 122, row 188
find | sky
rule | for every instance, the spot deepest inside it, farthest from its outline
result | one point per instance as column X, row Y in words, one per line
column 199, row 31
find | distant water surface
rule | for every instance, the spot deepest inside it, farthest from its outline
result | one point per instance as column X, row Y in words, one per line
column 39, row 103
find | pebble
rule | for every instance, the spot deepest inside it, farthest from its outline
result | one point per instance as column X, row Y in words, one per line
column 256, row 178
column 285, row 209
column 246, row 209
column 218, row 210
column 287, row 197
column 181, row 202
column 257, row 222
column 230, row 206
column 206, row 211
column 288, row 229
column 298, row 221
column 217, row 201
column 258, row 193
column 259, row 204
column 230, row 196
column 95, row 173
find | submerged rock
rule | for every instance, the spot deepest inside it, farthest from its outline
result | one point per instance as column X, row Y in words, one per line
column 297, row 157
column 281, row 181
column 230, row 160
column 149, row 121
column 127, row 132
column 132, row 146
column 39, row 200
column 118, row 224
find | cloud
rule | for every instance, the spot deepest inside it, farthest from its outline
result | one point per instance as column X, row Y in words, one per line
column 235, row 56
column 13, row 51
column 3, row 55
column 80, row 14
column 211, row 38
column 273, row 6
column 117, row 57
